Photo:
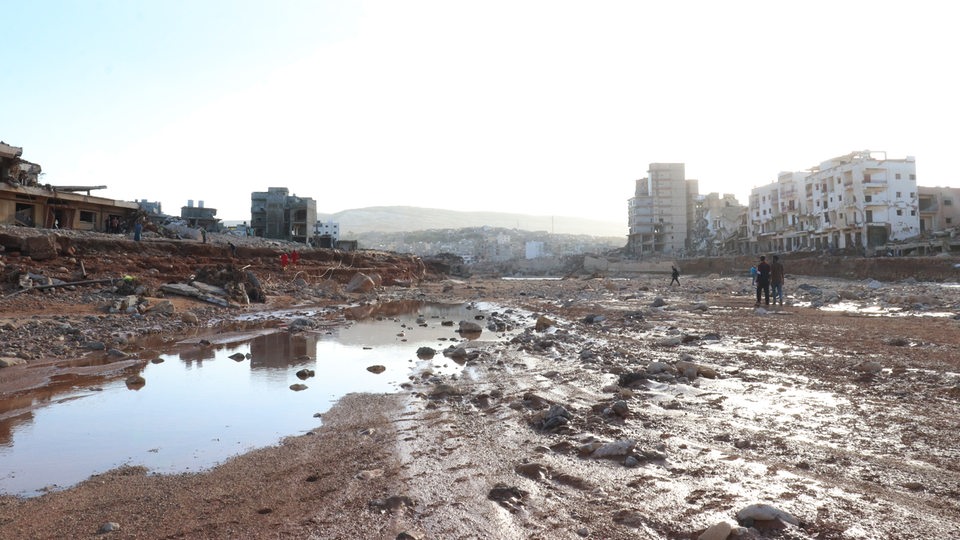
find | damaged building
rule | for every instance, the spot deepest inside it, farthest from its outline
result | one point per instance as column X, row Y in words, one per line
column 277, row 214
column 25, row 202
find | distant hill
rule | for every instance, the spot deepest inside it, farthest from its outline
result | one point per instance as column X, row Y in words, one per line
column 410, row 218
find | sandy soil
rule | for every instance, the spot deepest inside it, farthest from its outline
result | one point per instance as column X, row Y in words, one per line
column 845, row 420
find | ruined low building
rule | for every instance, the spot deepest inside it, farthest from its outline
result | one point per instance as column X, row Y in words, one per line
column 26, row 203
column 200, row 217
column 277, row 214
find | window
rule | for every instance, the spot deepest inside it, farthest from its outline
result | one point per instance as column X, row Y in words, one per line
column 869, row 217
column 913, row 212
column 949, row 221
column 912, row 195
column 87, row 217
column 897, row 176
column 838, row 179
column 948, row 202
column 899, row 195
column 899, row 212
column 913, row 177
column 868, row 198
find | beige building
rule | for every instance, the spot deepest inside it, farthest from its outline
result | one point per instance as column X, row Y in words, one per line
column 939, row 209
column 662, row 212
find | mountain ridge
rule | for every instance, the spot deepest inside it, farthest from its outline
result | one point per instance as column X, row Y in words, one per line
column 414, row 218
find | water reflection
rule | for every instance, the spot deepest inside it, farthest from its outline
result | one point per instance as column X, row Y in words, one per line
column 199, row 406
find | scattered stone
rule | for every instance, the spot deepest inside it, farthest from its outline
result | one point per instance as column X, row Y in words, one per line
column 614, row 449
column 543, row 323
column 764, row 512
column 305, row 374
column 509, row 497
column 658, row 302
column 470, row 327
column 426, row 353
column 237, row 357
column 533, row 471
column 298, row 387
column 7, row 362
column 377, row 369
column 110, row 526
column 717, row 531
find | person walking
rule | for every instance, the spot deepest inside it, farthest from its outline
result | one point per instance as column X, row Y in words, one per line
column 763, row 280
column 137, row 231
column 776, row 280
column 284, row 260
column 675, row 276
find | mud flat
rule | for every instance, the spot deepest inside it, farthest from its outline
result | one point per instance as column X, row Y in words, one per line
column 623, row 409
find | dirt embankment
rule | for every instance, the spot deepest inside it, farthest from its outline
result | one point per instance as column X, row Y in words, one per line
column 936, row 268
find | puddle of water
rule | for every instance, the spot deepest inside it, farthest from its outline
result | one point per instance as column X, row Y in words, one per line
column 200, row 407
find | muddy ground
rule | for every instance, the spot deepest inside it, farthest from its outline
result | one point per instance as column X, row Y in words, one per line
column 625, row 408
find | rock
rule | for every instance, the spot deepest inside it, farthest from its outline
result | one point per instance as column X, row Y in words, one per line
column 41, row 248
column 189, row 317
column 620, row 408
column 108, row 527
column 426, row 353
column 534, row 471
column 764, row 512
column 671, row 341
column 687, row 369
column 717, row 531
column 237, row 356
column 444, row 390
column 544, row 322
column 163, row 307
column 510, row 497
column 658, row 302
column 360, row 283
column 470, row 327
column 135, row 381
column 305, row 373
column 8, row 361
column 614, row 449
column 377, row 369
column 869, row 366
column 657, row 367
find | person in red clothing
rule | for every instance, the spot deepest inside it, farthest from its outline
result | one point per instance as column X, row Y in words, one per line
column 294, row 257
column 763, row 280
column 284, row 260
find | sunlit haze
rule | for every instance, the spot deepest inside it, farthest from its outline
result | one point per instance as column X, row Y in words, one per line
column 535, row 107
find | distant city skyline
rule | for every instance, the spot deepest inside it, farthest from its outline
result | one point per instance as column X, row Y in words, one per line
column 532, row 107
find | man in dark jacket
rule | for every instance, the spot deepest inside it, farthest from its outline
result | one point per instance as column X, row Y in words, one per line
column 763, row 280
column 776, row 279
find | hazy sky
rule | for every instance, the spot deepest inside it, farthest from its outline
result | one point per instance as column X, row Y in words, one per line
column 540, row 107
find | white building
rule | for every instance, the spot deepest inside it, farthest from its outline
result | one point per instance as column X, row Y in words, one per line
column 329, row 229
column 857, row 201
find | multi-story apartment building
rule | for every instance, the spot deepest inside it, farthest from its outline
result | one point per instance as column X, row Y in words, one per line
column 857, row 201
column 662, row 211
column 939, row 209
column 277, row 214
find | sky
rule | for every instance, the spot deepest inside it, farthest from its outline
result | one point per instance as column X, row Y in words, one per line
column 551, row 108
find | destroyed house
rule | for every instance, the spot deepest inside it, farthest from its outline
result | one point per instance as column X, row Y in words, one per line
column 277, row 214
column 26, row 203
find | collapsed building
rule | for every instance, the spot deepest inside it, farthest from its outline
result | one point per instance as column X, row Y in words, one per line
column 25, row 202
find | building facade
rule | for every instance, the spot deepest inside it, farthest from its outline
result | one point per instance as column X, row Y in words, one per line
column 277, row 214
column 857, row 201
column 662, row 212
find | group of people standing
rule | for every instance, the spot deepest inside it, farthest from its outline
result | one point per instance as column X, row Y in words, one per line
column 767, row 277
